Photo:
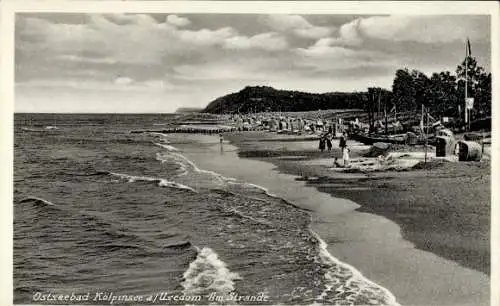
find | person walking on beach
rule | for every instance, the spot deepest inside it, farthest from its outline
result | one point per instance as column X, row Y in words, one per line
column 329, row 142
column 322, row 143
column 343, row 141
column 345, row 156
column 221, row 139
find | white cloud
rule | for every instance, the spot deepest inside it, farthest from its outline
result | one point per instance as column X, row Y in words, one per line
column 156, row 57
column 324, row 50
column 297, row 25
column 60, row 38
column 323, row 57
column 349, row 33
column 141, row 40
column 313, row 32
column 118, row 84
column 81, row 59
column 178, row 21
column 265, row 41
column 123, row 81
column 423, row 29
column 287, row 22
column 206, row 37
column 426, row 29
column 158, row 84
column 234, row 68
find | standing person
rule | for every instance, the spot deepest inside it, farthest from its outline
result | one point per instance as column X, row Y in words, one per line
column 322, row 143
column 343, row 141
column 345, row 156
column 221, row 140
column 329, row 142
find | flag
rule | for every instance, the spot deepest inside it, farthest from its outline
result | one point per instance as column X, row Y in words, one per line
column 467, row 48
column 470, row 103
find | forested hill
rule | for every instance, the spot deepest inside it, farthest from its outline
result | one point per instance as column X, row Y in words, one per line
column 263, row 98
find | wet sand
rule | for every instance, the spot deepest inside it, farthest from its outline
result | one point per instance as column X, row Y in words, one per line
column 361, row 236
column 424, row 235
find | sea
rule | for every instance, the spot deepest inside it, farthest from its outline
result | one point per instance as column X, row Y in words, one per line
column 109, row 210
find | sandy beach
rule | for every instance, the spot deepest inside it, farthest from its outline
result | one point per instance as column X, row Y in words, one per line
column 423, row 234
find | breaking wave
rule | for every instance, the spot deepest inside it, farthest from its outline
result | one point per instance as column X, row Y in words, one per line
column 207, row 273
column 159, row 181
column 37, row 201
column 345, row 284
column 167, row 147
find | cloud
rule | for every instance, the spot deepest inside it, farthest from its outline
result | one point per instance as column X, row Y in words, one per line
column 297, row 25
column 123, row 81
column 286, row 22
column 84, row 59
column 133, row 39
column 313, row 32
column 404, row 28
column 198, row 57
column 178, row 21
column 265, row 41
column 323, row 57
column 205, row 37
column 426, row 29
column 234, row 67
column 349, row 34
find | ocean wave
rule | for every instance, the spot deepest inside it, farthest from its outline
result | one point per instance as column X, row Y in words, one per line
column 94, row 173
column 163, row 135
column 344, row 284
column 165, row 157
column 207, row 273
column 187, row 166
column 233, row 211
column 352, row 287
column 158, row 181
column 191, row 167
column 267, row 193
column 38, row 201
column 167, row 147
column 179, row 245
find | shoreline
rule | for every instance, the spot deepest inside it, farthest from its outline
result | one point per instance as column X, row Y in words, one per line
column 291, row 192
column 434, row 280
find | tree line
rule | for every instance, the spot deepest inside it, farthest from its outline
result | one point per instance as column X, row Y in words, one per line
column 253, row 99
column 442, row 93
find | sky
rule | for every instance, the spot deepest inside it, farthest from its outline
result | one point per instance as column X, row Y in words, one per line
column 143, row 63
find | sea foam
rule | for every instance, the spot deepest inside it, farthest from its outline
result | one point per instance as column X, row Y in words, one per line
column 161, row 182
column 207, row 273
column 207, row 266
column 356, row 281
column 167, row 147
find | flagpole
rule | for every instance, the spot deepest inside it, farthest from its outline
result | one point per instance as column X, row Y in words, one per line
column 395, row 118
column 426, row 131
column 466, row 110
column 378, row 111
column 385, row 115
column 422, row 119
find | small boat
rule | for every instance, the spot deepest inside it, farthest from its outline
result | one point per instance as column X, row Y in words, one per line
column 371, row 139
